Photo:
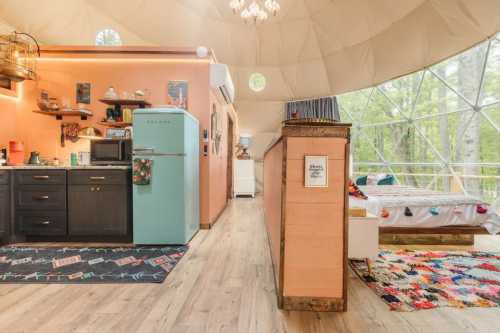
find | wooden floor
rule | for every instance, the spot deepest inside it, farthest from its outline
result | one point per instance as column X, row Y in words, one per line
column 223, row 284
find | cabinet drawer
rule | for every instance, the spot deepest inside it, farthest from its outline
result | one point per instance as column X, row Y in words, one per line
column 40, row 197
column 4, row 177
column 49, row 223
column 94, row 177
column 40, row 177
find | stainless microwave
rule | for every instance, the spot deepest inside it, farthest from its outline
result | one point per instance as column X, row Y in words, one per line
column 111, row 152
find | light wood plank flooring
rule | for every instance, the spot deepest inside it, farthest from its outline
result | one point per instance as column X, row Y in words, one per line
column 223, row 284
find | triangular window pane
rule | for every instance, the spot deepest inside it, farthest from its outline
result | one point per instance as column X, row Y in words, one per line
column 443, row 133
column 491, row 83
column 363, row 148
column 477, row 142
column 395, row 142
column 436, row 98
column 403, row 91
column 493, row 114
column 463, row 72
column 381, row 110
column 354, row 103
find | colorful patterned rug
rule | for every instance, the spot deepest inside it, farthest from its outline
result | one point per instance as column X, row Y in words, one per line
column 414, row 280
column 88, row 265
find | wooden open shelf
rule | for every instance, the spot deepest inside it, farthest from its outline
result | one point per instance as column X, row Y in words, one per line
column 60, row 114
column 130, row 102
column 115, row 124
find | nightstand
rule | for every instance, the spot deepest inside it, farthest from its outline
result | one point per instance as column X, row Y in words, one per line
column 363, row 238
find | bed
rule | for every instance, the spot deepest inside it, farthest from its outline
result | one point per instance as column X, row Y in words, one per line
column 409, row 210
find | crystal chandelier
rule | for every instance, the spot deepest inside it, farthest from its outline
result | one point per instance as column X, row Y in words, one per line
column 255, row 11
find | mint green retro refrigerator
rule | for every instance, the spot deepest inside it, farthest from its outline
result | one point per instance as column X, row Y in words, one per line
column 166, row 211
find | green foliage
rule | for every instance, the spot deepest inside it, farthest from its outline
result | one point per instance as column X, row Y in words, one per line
column 433, row 127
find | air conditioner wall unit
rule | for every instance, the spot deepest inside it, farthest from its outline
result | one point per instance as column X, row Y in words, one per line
column 220, row 79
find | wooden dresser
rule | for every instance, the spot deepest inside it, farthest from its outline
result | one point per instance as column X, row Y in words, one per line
column 307, row 226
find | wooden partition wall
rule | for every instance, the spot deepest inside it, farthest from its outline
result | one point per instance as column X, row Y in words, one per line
column 307, row 226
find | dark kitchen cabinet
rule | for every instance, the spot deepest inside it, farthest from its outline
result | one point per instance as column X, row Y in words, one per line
column 4, row 210
column 41, row 223
column 99, row 203
column 40, row 202
column 65, row 204
column 4, row 206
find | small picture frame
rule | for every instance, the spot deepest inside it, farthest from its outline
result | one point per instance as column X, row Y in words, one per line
column 177, row 93
column 316, row 171
column 83, row 93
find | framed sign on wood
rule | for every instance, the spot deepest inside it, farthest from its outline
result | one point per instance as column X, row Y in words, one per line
column 316, row 171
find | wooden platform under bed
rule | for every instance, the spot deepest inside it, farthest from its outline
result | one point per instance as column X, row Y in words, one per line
column 456, row 235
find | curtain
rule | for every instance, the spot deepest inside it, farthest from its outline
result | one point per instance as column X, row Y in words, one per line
column 325, row 108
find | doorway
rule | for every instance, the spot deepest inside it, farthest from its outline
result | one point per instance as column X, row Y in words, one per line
column 229, row 172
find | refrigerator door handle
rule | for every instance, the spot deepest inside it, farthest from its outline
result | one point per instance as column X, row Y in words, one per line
column 140, row 149
column 158, row 154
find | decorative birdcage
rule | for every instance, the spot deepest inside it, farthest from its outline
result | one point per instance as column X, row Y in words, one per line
column 18, row 52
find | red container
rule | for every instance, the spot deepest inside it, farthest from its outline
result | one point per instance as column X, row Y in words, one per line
column 16, row 153
column 16, row 146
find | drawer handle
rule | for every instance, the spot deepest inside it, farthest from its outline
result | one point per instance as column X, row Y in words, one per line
column 42, row 197
column 97, row 178
column 41, row 177
column 44, row 223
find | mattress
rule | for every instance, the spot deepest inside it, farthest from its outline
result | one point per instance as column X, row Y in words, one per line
column 429, row 209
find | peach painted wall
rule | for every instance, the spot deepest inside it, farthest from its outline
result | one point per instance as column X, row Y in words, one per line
column 8, row 109
column 59, row 77
column 218, row 164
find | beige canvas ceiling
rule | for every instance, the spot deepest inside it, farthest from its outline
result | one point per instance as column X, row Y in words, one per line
column 312, row 48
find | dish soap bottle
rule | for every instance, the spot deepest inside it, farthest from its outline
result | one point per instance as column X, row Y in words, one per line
column 127, row 115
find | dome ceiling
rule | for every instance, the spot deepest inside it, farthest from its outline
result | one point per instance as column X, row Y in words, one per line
column 312, row 48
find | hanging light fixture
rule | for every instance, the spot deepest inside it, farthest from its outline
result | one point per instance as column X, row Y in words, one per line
column 256, row 11
column 236, row 5
column 272, row 6
column 18, row 52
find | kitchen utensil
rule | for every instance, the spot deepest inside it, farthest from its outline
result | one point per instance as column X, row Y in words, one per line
column 34, row 158
column 71, row 131
column 84, row 158
column 62, row 136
